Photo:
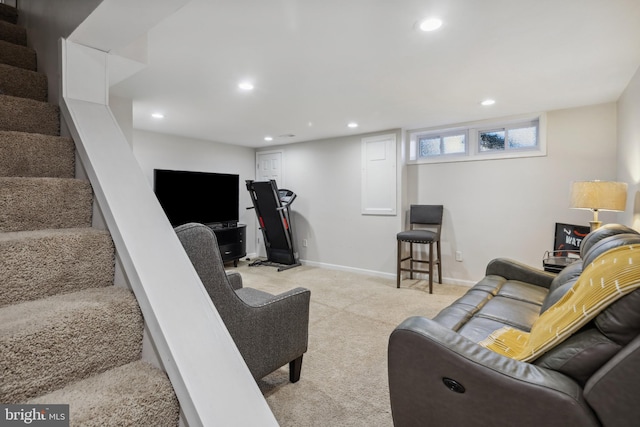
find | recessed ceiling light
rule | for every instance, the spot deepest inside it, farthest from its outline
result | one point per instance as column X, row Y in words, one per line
column 430, row 24
column 268, row 138
column 488, row 102
column 353, row 125
column 157, row 116
column 247, row 86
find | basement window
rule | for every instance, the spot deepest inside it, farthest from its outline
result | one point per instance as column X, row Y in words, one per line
column 441, row 144
column 494, row 139
column 519, row 136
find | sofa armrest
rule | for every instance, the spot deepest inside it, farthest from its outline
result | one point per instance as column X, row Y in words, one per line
column 514, row 270
column 495, row 390
column 613, row 390
column 235, row 279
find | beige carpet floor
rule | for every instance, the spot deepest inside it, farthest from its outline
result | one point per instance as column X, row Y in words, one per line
column 344, row 372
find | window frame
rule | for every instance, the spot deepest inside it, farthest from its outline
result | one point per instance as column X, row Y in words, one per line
column 473, row 130
column 442, row 135
column 510, row 126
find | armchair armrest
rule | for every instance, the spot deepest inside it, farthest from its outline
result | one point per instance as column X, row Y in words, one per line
column 235, row 279
column 273, row 330
column 487, row 388
column 514, row 270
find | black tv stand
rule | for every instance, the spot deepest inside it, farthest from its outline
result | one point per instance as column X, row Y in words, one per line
column 232, row 241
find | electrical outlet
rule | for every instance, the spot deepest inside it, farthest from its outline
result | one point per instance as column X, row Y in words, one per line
column 304, row 243
column 459, row 256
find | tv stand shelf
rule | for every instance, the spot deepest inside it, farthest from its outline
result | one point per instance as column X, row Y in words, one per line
column 232, row 242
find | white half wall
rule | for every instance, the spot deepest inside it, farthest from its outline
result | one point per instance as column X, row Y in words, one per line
column 46, row 21
column 509, row 207
column 162, row 151
column 629, row 149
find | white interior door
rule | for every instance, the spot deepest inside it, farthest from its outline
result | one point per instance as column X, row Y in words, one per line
column 269, row 166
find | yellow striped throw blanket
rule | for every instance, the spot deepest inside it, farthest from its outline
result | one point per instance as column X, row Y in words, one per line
column 611, row 276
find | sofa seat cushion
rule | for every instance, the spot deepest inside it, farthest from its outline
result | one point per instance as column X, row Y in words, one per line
column 479, row 328
column 492, row 303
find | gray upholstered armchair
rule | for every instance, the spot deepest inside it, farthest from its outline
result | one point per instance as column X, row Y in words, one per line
column 269, row 330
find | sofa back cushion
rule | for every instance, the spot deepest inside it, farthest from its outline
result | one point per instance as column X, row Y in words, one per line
column 603, row 232
column 620, row 322
column 581, row 355
column 589, row 349
column 608, row 243
column 589, row 249
column 561, row 284
column 596, row 246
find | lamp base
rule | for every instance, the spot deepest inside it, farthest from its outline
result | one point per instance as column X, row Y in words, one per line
column 595, row 225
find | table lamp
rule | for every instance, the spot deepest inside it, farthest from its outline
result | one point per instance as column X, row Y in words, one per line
column 598, row 196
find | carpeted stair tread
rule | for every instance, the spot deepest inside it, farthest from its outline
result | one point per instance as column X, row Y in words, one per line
column 13, row 33
column 28, row 115
column 41, row 263
column 18, row 56
column 52, row 342
column 25, row 154
column 23, row 83
column 43, row 203
column 136, row 394
column 8, row 13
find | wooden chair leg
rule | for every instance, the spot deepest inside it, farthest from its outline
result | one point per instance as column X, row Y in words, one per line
column 399, row 263
column 410, row 260
column 295, row 366
column 439, row 263
column 431, row 267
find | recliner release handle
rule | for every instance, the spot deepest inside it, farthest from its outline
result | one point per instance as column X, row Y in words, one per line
column 453, row 385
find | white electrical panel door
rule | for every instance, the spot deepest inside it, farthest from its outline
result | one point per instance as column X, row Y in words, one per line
column 379, row 175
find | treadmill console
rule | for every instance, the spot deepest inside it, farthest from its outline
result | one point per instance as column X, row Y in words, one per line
column 286, row 196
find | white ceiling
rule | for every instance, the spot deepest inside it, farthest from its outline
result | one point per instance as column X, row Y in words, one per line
column 319, row 64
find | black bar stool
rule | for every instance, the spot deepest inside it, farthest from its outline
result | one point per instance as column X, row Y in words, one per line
column 424, row 216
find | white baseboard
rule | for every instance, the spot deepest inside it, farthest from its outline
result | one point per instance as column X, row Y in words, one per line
column 447, row 280
column 349, row 269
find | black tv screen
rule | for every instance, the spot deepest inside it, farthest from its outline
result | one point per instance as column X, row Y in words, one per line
column 204, row 197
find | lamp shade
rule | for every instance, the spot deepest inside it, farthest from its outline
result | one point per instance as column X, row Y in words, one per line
column 599, row 195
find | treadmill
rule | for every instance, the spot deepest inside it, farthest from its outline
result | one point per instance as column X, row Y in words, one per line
column 272, row 209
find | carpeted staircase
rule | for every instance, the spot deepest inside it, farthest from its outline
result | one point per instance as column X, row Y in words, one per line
column 67, row 335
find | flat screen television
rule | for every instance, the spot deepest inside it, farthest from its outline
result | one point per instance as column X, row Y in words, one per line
column 204, row 197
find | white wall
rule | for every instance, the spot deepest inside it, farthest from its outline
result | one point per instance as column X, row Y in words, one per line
column 162, row 151
column 326, row 176
column 493, row 208
column 509, row 207
column 629, row 149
